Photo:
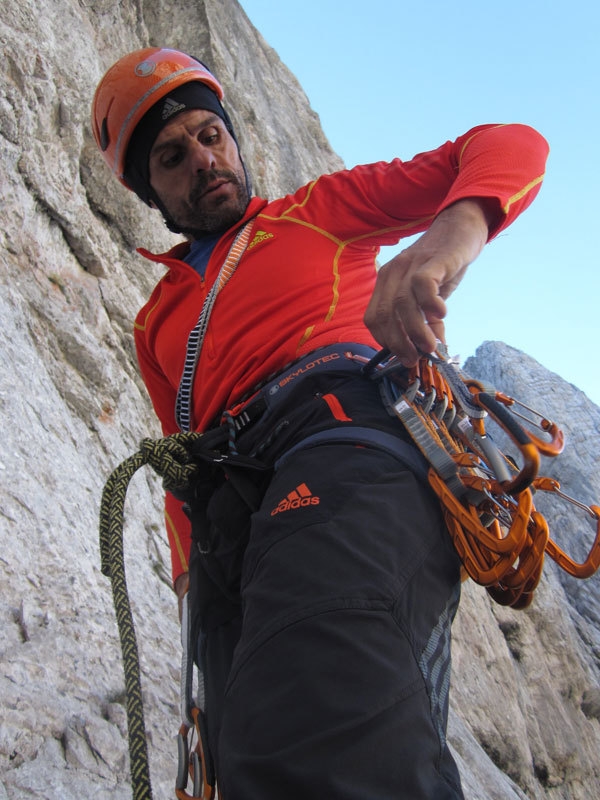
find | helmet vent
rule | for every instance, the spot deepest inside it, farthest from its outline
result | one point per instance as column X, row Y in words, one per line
column 104, row 137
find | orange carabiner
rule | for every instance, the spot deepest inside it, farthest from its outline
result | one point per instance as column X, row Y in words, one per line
column 486, row 553
column 557, row 439
column 507, row 559
column 522, row 578
column 196, row 765
column 590, row 565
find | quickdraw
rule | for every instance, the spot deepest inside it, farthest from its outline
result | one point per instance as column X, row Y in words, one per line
column 486, row 495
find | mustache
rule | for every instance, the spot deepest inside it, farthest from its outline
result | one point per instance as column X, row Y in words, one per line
column 208, row 177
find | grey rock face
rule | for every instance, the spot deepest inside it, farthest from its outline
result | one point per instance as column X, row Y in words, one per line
column 531, row 700
column 525, row 720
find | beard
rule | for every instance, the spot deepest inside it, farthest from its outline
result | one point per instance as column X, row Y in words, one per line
column 203, row 214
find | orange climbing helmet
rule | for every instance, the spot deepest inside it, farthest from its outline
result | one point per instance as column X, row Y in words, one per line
column 131, row 87
column 136, row 98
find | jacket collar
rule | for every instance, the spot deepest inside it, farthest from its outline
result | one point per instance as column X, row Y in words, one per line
column 179, row 251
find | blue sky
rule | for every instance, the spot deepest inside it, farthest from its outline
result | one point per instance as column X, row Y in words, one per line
column 390, row 79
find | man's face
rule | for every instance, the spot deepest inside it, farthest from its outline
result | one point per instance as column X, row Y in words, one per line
column 196, row 171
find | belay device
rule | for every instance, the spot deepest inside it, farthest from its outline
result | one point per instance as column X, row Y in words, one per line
column 486, row 497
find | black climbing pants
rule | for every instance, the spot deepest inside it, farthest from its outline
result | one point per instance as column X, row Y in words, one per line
column 332, row 679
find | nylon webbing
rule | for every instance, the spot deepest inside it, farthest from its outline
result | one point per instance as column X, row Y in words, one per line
column 427, row 443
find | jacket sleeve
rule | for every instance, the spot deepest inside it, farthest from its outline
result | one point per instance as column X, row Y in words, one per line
column 163, row 397
column 384, row 202
column 501, row 162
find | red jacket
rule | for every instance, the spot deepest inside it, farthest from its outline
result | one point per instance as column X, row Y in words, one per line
column 308, row 272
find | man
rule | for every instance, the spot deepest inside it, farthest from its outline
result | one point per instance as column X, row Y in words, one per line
column 324, row 615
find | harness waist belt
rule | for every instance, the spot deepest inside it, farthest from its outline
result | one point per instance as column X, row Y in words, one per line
column 276, row 391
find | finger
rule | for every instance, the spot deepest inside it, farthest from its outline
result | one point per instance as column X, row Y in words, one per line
column 429, row 310
column 388, row 330
column 400, row 343
column 415, row 324
column 439, row 331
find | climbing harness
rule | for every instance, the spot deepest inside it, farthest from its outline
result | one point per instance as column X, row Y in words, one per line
column 486, row 495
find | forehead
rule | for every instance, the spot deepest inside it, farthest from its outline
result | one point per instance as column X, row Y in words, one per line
column 185, row 124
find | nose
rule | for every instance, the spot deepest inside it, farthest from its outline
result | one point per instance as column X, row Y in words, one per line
column 202, row 157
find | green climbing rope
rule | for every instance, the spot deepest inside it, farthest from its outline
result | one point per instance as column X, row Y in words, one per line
column 171, row 459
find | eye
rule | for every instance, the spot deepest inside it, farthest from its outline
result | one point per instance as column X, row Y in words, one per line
column 210, row 136
column 171, row 158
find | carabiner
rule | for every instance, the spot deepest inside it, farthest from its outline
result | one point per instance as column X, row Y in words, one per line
column 557, row 439
column 528, row 450
column 196, row 765
column 589, row 566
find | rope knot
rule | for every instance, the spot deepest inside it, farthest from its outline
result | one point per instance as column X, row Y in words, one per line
column 172, row 459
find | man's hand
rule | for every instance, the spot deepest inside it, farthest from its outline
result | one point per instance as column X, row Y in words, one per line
column 407, row 308
column 181, row 586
